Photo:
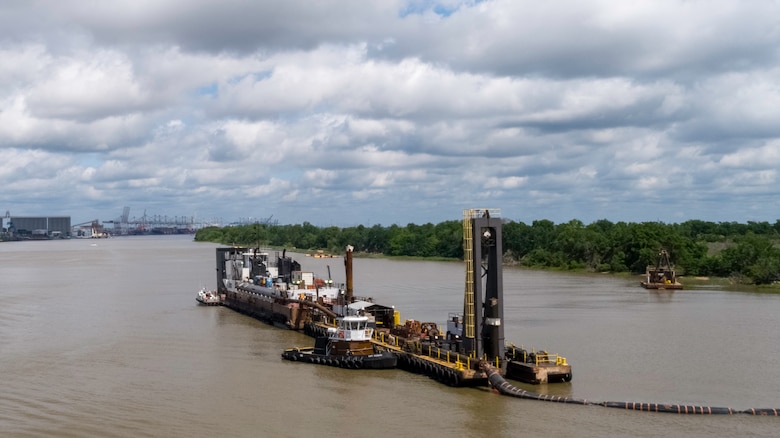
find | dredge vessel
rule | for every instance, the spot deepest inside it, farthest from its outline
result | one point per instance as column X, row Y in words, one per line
column 274, row 290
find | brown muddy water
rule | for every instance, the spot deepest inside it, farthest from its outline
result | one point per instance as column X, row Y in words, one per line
column 103, row 338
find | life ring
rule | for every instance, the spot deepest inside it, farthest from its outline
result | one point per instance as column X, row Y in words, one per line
column 341, row 335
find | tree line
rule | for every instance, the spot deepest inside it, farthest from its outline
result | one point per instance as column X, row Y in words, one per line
column 747, row 253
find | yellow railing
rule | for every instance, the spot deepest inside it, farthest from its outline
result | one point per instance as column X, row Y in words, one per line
column 541, row 356
column 464, row 362
column 550, row 358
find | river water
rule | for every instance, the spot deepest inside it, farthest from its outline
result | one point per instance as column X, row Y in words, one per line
column 103, row 338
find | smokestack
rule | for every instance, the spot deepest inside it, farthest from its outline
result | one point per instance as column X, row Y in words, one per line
column 348, row 266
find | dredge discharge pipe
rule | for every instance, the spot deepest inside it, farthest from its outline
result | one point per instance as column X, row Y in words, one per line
column 505, row 388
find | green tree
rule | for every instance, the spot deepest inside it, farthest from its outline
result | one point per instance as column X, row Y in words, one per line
column 754, row 257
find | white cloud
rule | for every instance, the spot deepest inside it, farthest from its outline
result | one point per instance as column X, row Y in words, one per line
column 392, row 111
column 764, row 157
column 511, row 182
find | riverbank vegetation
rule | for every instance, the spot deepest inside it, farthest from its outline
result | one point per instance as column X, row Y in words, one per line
column 745, row 253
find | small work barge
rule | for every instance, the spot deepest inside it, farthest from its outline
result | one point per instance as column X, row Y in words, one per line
column 661, row 275
column 536, row 367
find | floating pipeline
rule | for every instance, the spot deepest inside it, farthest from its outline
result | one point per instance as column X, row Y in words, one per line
column 505, row 388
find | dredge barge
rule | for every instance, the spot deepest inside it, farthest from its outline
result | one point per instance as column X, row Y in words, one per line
column 275, row 291
column 272, row 289
column 662, row 275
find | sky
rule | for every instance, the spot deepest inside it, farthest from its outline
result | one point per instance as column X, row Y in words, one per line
column 361, row 112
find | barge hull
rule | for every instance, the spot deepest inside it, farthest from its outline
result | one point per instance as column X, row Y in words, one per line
column 536, row 374
column 662, row 286
column 377, row 361
column 287, row 316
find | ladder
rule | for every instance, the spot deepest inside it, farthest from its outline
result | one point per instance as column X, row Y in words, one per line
column 468, row 257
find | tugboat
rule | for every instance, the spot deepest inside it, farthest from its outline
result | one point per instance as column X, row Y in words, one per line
column 662, row 275
column 348, row 345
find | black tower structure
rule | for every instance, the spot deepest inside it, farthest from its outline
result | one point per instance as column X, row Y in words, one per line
column 483, row 306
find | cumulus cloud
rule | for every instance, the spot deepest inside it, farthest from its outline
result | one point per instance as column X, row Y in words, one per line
column 393, row 111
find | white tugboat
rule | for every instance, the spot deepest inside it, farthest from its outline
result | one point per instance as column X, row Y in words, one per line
column 347, row 345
